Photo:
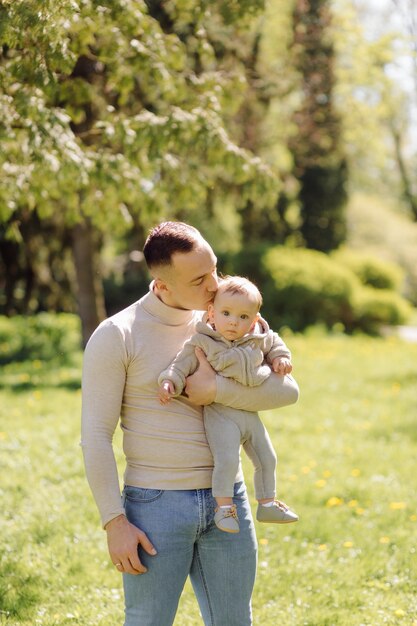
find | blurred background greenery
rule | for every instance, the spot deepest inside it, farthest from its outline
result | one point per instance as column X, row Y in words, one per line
column 282, row 129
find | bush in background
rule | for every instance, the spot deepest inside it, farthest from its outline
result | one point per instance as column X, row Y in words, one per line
column 374, row 308
column 46, row 337
column 308, row 288
column 379, row 227
column 303, row 287
column 371, row 270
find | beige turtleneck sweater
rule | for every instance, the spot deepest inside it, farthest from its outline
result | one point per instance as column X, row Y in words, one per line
column 165, row 446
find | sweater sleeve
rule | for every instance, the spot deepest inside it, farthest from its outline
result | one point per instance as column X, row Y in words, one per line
column 104, row 373
column 275, row 392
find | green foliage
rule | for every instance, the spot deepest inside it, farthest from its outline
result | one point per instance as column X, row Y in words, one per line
column 307, row 288
column 376, row 226
column 122, row 109
column 319, row 161
column 370, row 270
column 375, row 307
column 373, row 101
column 43, row 337
column 303, row 287
column 323, row 199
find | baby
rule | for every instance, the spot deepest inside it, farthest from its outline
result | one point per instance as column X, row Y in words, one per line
column 238, row 344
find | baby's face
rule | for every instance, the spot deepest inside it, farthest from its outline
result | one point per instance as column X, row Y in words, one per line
column 233, row 315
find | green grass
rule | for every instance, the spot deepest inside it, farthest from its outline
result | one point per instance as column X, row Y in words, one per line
column 347, row 464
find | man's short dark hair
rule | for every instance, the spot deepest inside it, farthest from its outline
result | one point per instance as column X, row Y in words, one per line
column 166, row 239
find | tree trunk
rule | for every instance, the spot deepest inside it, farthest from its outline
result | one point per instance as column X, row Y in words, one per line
column 407, row 189
column 90, row 296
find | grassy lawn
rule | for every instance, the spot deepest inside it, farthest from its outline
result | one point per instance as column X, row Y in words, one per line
column 347, row 464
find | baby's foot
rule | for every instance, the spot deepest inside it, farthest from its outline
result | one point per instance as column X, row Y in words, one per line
column 278, row 513
column 226, row 519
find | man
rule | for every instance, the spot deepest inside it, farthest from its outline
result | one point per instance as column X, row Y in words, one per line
column 163, row 529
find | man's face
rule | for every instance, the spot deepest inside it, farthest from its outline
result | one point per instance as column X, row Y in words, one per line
column 191, row 280
column 233, row 314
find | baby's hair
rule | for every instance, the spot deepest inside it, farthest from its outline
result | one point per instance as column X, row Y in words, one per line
column 240, row 285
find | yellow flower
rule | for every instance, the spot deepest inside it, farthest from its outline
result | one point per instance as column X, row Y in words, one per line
column 320, row 483
column 3, row 436
column 322, row 547
column 353, row 503
column 37, row 364
column 413, row 518
column 355, row 472
column 395, row 387
column 397, row 506
column 359, row 511
column 263, row 541
column 327, row 473
column 384, row 540
column 334, row 501
column 348, row 544
column 399, row 613
column 306, row 469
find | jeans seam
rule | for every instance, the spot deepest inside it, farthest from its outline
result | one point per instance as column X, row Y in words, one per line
column 203, row 580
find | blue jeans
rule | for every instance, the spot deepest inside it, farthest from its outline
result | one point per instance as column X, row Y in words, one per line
column 221, row 565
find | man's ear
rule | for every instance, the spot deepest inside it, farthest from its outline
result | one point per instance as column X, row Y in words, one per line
column 161, row 285
column 210, row 312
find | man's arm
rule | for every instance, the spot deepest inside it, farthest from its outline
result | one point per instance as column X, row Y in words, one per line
column 205, row 387
column 102, row 391
column 275, row 392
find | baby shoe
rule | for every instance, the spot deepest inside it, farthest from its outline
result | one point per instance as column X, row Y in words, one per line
column 279, row 513
column 226, row 519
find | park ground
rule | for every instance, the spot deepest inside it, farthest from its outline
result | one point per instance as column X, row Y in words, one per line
column 347, row 464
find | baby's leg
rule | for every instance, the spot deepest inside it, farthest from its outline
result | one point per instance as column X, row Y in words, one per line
column 259, row 449
column 223, row 436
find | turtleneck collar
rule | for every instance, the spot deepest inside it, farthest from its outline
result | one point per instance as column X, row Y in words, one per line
column 166, row 314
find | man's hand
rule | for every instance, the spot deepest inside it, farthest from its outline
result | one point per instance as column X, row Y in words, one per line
column 165, row 392
column 200, row 388
column 123, row 539
column 282, row 366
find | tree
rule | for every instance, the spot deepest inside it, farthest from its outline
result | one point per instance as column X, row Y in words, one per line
column 319, row 162
column 376, row 98
column 113, row 113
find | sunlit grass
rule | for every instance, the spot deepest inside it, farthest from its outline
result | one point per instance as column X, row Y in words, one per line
column 346, row 453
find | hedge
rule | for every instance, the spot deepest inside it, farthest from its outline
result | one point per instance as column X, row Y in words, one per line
column 304, row 287
column 45, row 336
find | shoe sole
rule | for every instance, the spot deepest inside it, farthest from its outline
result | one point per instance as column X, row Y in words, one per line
column 228, row 530
column 274, row 521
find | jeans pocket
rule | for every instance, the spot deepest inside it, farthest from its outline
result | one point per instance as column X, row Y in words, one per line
column 141, row 494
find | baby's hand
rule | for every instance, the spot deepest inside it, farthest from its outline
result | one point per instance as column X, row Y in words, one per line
column 166, row 391
column 282, row 366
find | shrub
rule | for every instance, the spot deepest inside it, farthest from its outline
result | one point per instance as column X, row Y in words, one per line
column 371, row 270
column 303, row 287
column 378, row 226
column 308, row 288
column 46, row 336
column 376, row 307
